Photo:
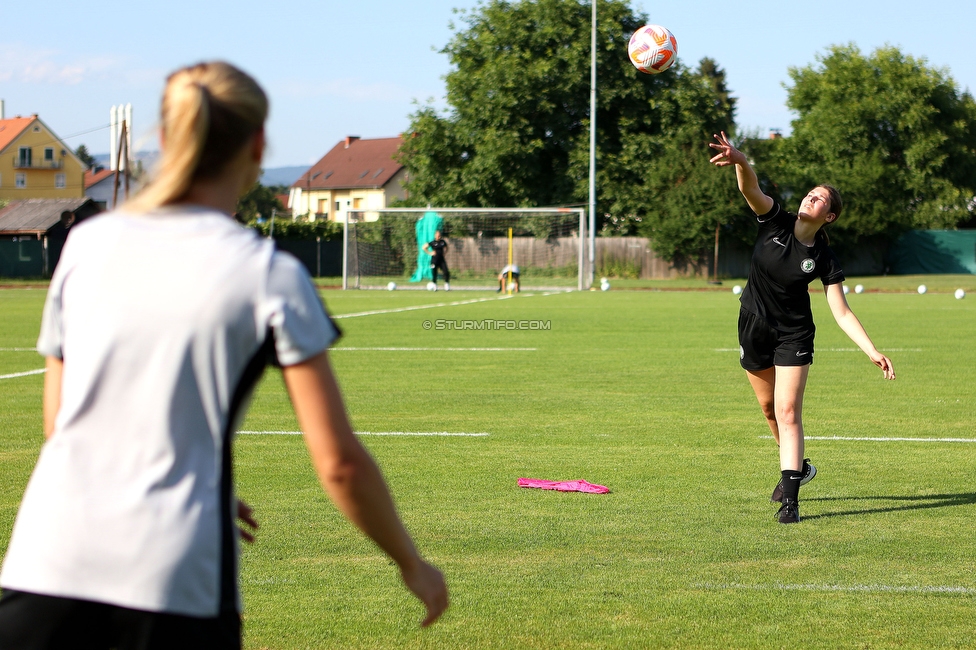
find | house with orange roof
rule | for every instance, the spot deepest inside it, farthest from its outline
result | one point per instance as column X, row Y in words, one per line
column 356, row 174
column 36, row 164
column 100, row 188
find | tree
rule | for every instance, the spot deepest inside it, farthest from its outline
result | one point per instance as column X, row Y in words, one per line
column 87, row 158
column 894, row 135
column 516, row 132
column 258, row 202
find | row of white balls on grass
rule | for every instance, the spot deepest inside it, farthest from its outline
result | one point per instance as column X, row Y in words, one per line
column 960, row 294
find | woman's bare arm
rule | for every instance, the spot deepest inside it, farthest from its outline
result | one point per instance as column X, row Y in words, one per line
column 352, row 479
column 744, row 173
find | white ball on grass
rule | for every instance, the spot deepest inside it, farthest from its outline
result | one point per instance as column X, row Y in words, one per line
column 431, row 286
column 859, row 288
column 922, row 288
column 847, row 290
column 960, row 294
column 604, row 286
column 737, row 290
column 391, row 286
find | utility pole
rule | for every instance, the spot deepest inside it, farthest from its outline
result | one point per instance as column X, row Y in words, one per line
column 592, row 196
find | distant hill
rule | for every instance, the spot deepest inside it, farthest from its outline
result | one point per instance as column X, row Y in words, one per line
column 281, row 175
column 269, row 176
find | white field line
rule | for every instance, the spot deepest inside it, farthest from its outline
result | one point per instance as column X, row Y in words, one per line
column 441, row 304
column 340, row 349
column 866, row 439
column 417, row 307
column 24, row 374
column 897, row 589
column 444, row 434
column 837, row 350
column 18, row 349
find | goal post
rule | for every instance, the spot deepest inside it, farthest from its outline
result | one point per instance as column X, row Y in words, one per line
column 385, row 245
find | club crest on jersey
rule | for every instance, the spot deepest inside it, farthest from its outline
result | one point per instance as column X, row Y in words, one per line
column 807, row 265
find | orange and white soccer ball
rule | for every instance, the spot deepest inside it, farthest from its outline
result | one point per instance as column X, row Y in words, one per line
column 652, row 49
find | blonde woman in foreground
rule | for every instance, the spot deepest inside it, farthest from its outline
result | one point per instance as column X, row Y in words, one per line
column 158, row 323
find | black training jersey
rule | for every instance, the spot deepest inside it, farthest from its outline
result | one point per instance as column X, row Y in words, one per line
column 782, row 270
column 437, row 246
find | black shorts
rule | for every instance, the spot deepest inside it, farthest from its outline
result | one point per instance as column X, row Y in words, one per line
column 762, row 347
column 35, row 622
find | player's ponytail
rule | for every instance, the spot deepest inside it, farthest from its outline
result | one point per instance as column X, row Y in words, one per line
column 209, row 111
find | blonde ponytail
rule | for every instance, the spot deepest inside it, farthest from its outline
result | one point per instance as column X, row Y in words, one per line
column 209, row 111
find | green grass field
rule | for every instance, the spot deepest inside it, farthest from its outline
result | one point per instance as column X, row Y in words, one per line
column 637, row 390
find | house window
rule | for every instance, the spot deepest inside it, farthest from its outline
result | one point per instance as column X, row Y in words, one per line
column 357, row 203
column 25, row 157
column 59, row 181
column 338, row 206
column 48, row 154
column 20, row 180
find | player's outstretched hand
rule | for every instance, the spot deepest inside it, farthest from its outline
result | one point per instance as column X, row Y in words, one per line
column 427, row 583
column 884, row 363
column 245, row 515
column 727, row 154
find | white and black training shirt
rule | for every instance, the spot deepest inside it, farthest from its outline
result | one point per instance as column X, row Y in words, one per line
column 164, row 323
column 782, row 269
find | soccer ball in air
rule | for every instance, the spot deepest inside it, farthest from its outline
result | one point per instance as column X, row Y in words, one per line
column 960, row 294
column 431, row 286
column 922, row 288
column 391, row 286
column 652, row 49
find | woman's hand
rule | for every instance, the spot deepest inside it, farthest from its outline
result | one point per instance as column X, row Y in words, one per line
column 427, row 584
column 727, row 154
column 884, row 363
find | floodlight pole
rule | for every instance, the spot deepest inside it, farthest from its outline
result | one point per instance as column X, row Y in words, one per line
column 592, row 196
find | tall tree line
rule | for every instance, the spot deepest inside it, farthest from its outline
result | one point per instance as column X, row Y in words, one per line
column 896, row 136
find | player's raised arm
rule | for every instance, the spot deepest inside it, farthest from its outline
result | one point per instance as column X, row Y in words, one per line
column 744, row 173
column 352, row 479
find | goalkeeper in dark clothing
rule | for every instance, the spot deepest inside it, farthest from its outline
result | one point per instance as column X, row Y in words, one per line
column 436, row 250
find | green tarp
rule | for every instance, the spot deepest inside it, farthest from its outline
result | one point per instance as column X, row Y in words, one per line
column 427, row 225
column 933, row 251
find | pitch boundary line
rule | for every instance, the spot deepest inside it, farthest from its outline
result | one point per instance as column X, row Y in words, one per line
column 882, row 439
column 24, row 374
column 18, row 349
column 439, row 434
column 456, row 303
column 898, row 589
column 418, row 307
column 836, row 350
column 435, row 349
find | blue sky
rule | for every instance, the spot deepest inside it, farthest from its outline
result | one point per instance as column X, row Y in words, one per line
column 357, row 68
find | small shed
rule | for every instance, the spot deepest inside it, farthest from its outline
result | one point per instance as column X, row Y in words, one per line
column 33, row 231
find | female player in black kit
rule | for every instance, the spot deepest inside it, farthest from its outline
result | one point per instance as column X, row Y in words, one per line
column 776, row 327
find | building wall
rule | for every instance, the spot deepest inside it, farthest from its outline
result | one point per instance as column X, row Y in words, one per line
column 334, row 204
column 41, row 177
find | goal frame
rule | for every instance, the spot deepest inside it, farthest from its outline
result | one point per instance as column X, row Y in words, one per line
column 584, row 265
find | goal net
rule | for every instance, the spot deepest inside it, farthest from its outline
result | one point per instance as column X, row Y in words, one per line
column 381, row 246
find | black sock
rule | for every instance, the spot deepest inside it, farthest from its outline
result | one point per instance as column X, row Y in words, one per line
column 791, row 484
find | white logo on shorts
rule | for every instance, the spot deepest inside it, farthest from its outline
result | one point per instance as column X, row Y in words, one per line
column 807, row 265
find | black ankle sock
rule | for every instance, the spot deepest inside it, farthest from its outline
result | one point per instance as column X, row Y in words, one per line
column 791, row 484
